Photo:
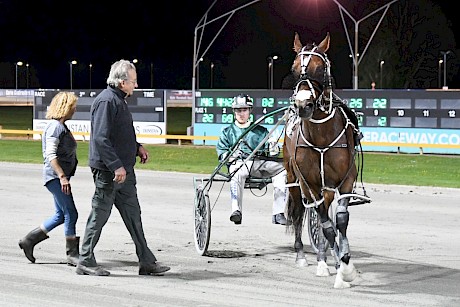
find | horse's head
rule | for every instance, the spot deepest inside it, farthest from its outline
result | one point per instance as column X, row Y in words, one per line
column 311, row 60
column 311, row 68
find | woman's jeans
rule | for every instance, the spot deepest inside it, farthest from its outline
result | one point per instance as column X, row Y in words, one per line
column 65, row 211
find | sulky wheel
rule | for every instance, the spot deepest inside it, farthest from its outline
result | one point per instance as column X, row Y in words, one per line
column 202, row 213
column 314, row 228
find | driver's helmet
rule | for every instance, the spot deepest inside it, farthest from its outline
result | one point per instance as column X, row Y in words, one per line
column 242, row 101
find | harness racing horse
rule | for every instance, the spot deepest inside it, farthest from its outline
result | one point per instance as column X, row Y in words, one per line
column 319, row 157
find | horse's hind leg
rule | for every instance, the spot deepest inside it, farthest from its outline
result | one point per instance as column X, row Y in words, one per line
column 296, row 215
column 300, row 259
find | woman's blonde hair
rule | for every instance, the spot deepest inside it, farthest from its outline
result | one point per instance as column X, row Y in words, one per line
column 61, row 105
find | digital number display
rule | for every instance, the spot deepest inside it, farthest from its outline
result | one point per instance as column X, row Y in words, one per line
column 206, row 118
column 225, row 118
column 376, row 121
column 145, row 105
column 282, row 102
column 265, row 102
column 224, row 102
column 405, row 122
column 219, row 104
column 376, row 103
column 400, row 103
column 270, row 120
column 355, row 103
column 388, row 108
column 206, row 102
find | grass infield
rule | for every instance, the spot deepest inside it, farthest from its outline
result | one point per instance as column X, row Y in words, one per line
column 383, row 168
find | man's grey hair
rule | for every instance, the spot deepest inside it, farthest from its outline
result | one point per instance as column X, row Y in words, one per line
column 119, row 72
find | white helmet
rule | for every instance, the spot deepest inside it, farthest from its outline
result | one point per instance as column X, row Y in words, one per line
column 242, row 101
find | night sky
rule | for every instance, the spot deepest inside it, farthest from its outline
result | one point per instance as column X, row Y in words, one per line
column 49, row 34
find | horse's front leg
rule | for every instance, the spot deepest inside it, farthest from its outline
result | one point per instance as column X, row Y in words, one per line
column 347, row 271
column 328, row 233
column 342, row 217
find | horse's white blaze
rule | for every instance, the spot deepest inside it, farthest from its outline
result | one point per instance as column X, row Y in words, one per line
column 301, row 98
column 322, row 269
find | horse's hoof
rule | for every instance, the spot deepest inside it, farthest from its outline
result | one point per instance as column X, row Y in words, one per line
column 322, row 269
column 301, row 262
column 340, row 283
column 349, row 272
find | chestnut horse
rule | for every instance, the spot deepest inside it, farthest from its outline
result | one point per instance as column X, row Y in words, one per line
column 320, row 147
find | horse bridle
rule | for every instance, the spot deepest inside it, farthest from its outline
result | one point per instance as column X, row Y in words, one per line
column 315, row 85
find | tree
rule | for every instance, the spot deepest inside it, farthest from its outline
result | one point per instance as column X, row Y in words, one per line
column 409, row 40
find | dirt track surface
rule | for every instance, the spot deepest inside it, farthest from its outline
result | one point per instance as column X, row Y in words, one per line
column 405, row 245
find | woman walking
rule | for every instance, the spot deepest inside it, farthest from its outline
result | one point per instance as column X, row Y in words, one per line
column 60, row 162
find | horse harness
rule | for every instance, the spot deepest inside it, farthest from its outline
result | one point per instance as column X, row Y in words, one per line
column 329, row 103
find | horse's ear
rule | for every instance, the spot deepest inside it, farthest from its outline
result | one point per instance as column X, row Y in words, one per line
column 297, row 43
column 324, row 45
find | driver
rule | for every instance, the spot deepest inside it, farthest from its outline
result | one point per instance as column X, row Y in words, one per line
column 242, row 108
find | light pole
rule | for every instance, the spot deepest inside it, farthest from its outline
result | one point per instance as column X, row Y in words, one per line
column 269, row 76
column 381, row 73
column 271, row 62
column 71, row 63
column 439, row 73
column 198, row 74
column 356, row 22
column 274, row 58
column 17, row 64
column 212, row 75
column 445, row 53
column 27, row 75
column 90, row 77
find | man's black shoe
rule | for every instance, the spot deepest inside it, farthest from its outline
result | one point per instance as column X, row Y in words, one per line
column 236, row 217
column 153, row 269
